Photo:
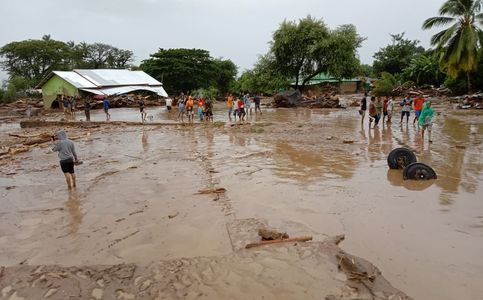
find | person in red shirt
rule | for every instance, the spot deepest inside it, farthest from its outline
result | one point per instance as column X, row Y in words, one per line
column 418, row 104
column 241, row 110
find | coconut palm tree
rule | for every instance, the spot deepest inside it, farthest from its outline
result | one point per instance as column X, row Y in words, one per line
column 459, row 43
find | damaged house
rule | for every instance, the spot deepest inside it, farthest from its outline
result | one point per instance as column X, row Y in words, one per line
column 97, row 82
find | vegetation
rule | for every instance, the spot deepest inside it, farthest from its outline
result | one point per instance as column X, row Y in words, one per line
column 461, row 40
column 184, row 70
column 385, row 85
column 303, row 49
column 397, row 56
column 34, row 59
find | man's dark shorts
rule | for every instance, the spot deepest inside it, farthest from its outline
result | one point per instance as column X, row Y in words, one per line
column 67, row 166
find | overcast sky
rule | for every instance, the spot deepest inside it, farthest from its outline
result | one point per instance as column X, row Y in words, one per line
column 235, row 29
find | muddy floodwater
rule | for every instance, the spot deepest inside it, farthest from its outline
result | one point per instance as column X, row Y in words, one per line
column 306, row 172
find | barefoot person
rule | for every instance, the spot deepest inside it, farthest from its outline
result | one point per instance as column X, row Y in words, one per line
column 406, row 109
column 105, row 104
column 418, row 107
column 190, row 109
column 67, row 156
column 229, row 104
column 426, row 120
column 363, row 109
column 142, row 110
column 87, row 108
column 257, row 104
column 181, row 108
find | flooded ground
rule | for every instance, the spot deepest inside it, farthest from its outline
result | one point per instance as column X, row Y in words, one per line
column 316, row 172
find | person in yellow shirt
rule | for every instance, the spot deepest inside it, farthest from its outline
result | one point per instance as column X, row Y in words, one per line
column 229, row 103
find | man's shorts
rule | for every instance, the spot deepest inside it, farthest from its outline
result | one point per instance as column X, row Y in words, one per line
column 67, row 166
column 106, row 110
column 230, row 110
column 405, row 113
column 141, row 109
column 190, row 111
column 418, row 113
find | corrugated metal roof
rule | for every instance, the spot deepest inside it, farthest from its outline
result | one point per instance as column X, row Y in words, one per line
column 75, row 79
column 127, row 89
column 117, row 77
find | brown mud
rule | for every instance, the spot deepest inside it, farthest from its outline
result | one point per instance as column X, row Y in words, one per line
column 138, row 203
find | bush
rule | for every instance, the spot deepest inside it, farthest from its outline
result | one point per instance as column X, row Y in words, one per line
column 385, row 85
column 457, row 86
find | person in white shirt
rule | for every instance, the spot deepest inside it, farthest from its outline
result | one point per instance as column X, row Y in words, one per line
column 169, row 103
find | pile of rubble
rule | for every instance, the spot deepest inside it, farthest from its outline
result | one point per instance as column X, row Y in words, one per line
column 474, row 101
column 296, row 99
column 427, row 91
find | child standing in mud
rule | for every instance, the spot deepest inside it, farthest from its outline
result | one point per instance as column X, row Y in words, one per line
column 67, row 156
column 406, row 109
column 373, row 113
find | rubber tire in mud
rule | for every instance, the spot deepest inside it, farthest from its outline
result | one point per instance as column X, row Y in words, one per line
column 419, row 171
column 399, row 158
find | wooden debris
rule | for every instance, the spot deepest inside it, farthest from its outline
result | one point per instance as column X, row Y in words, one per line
column 296, row 239
column 173, row 215
column 212, row 191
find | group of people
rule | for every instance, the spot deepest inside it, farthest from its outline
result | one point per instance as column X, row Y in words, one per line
column 241, row 106
column 69, row 104
column 186, row 106
column 423, row 111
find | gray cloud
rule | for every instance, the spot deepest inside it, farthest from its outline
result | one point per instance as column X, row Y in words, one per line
column 238, row 30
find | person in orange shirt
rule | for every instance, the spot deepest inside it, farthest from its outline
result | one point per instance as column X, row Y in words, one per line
column 189, row 109
column 229, row 103
column 418, row 104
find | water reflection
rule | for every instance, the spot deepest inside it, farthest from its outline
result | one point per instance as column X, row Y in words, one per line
column 307, row 165
column 75, row 211
column 144, row 141
column 395, row 178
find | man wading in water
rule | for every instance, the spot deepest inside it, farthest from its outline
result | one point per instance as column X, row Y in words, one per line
column 67, row 156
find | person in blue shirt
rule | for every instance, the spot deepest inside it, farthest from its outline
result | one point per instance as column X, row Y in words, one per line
column 105, row 104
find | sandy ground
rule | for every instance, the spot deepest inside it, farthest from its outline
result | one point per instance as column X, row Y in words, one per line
column 289, row 168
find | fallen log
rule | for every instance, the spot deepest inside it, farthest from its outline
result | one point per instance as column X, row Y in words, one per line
column 212, row 191
column 295, row 239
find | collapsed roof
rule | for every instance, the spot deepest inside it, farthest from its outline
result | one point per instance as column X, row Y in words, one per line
column 109, row 81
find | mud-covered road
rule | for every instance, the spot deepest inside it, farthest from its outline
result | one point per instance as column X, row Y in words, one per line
column 306, row 172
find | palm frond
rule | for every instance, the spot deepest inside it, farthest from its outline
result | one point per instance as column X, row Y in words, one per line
column 453, row 8
column 437, row 21
column 441, row 38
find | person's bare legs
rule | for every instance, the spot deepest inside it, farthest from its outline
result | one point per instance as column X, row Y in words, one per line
column 72, row 175
column 422, row 134
column 68, row 179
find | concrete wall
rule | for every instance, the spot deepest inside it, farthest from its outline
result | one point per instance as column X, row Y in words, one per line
column 57, row 86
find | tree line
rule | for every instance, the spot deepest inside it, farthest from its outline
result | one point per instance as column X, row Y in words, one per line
column 299, row 51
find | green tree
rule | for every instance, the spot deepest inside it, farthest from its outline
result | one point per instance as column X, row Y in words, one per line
column 34, row 59
column 183, row 70
column 263, row 78
column 224, row 74
column 308, row 47
column 424, row 69
column 397, row 56
column 385, row 85
column 460, row 41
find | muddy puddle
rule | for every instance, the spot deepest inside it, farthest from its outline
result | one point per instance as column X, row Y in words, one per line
column 306, row 172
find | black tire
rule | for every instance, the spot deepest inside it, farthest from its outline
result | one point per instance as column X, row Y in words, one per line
column 399, row 158
column 419, row 171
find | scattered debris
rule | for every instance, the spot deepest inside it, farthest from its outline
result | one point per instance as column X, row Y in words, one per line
column 212, row 191
column 173, row 215
column 271, row 234
column 295, row 239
